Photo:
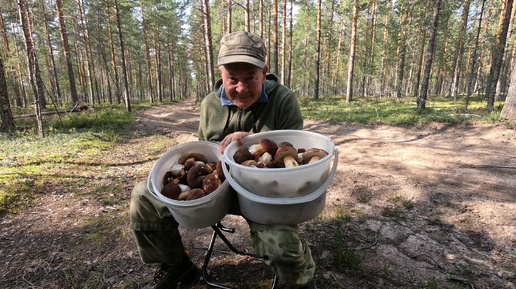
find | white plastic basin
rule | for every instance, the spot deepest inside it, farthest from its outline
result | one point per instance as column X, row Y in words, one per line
column 283, row 182
column 198, row 213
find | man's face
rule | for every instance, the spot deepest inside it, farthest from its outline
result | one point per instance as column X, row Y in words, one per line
column 243, row 82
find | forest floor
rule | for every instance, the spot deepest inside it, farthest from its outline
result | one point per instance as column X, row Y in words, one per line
column 432, row 206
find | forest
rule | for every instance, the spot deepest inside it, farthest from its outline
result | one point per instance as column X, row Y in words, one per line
column 59, row 54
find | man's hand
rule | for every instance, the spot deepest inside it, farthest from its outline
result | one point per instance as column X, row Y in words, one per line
column 236, row 136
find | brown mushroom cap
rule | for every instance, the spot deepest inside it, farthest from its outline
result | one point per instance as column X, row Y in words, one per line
column 220, row 172
column 269, row 145
column 171, row 190
column 196, row 175
column 314, row 153
column 211, row 183
column 242, row 155
column 195, row 194
column 285, row 151
column 285, row 144
column 249, row 163
column 197, row 156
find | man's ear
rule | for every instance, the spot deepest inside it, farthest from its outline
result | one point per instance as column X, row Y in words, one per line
column 265, row 70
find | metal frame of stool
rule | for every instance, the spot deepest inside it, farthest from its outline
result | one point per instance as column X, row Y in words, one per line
column 217, row 231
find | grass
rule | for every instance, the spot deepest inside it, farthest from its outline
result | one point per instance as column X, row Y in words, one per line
column 400, row 112
column 76, row 147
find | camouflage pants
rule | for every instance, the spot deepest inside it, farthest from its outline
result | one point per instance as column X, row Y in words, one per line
column 159, row 241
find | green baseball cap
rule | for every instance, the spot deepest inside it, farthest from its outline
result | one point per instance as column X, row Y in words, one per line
column 242, row 46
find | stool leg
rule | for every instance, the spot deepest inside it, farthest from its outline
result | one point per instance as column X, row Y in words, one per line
column 207, row 256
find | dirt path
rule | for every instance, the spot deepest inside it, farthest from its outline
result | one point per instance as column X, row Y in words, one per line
column 424, row 207
column 460, row 181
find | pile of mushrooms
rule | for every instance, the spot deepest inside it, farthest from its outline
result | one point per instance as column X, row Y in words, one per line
column 268, row 154
column 192, row 177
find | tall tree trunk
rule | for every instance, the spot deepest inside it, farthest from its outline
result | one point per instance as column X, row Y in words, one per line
column 40, row 85
column 147, row 54
column 247, row 16
column 172, row 80
column 501, row 40
column 209, row 44
column 124, row 62
column 283, row 77
column 383, row 73
column 229, row 12
column 373, row 37
column 509, row 109
column 336, row 71
column 422, row 29
column 20, row 74
column 157, row 49
column 329, row 49
column 351, row 58
column 113, row 55
column 496, row 65
column 402, row 50
column 276, row 37
column 32, row 61
column 318, row 50
column 421, row 101
column 503, row 80
column 6, row 114
column 290, row 46
column 68, row 54
column 472, row 75
column 55, row 77
column 261, row 19
column 93, row 84
column 366, row 50
column 5, row 40
column 459, row 51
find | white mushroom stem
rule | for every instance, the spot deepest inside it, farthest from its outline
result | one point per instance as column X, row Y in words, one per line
column 265, row 158
column 256, row 148
column 314, row 159
column 289, row 161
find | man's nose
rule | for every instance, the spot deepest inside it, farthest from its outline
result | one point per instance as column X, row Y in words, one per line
column 241, row 87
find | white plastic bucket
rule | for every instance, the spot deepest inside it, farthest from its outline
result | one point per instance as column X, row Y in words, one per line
column 198, row 213
column 288, row 211
column 283, row 182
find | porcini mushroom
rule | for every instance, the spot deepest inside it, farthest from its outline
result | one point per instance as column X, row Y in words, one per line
column 313, row 155
column 171, row 190
column 195, row 194
column 242, row 155
column 286, row 156
column 250, row 163
column 178, row 170
column 197, row 156
column 196, row 175
column 211, row 183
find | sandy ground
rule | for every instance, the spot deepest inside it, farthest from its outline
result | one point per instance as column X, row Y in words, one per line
column 422, row 207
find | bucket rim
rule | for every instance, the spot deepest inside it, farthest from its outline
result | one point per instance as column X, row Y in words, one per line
column 274, row 133
column 283, row 201
column 190, row 203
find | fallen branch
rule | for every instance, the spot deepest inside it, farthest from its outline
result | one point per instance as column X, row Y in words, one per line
column 77, row 108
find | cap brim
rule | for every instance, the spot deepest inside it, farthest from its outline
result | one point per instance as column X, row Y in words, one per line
column 241, row 58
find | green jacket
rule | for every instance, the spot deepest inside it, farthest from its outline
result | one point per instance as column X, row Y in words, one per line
column 281, row 111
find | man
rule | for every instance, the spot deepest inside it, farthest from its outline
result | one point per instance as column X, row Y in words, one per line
column 246, row 100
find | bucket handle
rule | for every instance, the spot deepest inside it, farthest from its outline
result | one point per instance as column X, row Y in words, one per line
column 151, row 190
column 284, row 201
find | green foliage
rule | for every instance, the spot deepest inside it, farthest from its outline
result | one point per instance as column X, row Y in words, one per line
column 75, row 144
column 394, row 111
column 344, row 256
